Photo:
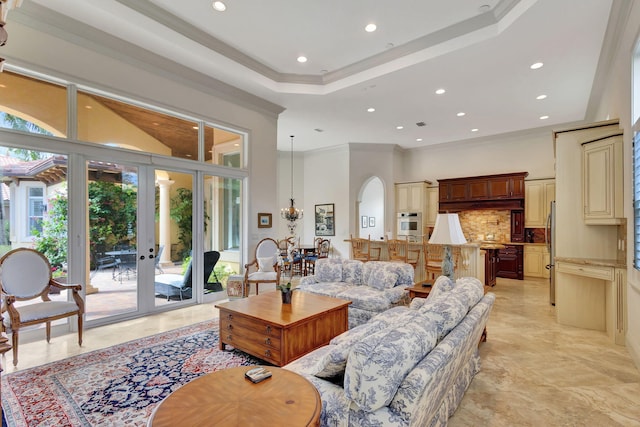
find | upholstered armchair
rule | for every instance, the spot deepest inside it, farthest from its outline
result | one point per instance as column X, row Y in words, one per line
column 25, row 275
column 265, row 262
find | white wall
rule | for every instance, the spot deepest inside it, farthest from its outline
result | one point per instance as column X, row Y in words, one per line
column 616, row 103
column 372, row 206
column 525, row 152
column 128, row 77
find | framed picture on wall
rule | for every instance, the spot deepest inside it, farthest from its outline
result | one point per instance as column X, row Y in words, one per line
column 372, row 221
column 264, row 220
column 324, row 220
column 365, row 222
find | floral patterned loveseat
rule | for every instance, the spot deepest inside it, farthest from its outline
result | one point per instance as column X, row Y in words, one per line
column 408, row 366
column 372, row 287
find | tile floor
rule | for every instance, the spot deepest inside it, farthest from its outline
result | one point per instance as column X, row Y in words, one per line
column 534, row 371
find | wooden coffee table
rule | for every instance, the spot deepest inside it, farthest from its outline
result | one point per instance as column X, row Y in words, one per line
column 225, row 398
column 278, row 333
column 419, row 291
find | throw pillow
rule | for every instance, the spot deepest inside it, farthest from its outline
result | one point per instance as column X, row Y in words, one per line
column 352, row 271
column 265, row 264
column 329, row 270
column 383, row 279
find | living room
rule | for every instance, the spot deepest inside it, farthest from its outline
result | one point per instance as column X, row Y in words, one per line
column 351, row 164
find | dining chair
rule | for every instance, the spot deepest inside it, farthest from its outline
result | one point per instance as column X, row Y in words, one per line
column 25, row 275
column 322, row 251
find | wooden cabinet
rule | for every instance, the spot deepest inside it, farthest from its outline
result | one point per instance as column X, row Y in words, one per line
column 432, row 207
column 538, row 196
column 504, row 191
column 411, row 197
column 490, row 266
column 517, row 226
column 602, row 181
column 536, row 258
column 510, row 262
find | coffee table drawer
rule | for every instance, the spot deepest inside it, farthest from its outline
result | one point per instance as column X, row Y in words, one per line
column 249, row 345
column 244, row 322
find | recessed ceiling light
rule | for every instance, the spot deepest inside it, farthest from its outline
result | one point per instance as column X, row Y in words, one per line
column 370, row 28
column 419, row 139
column 440, row 91
column 536, row 65
column 399, row 127
column 88, row 107
column 236, row 145
column 484, row 8
column 371, row 109
column 461, row 113
column 219, row 6
column 544, row 117
column 541, row 96
column 3, row 86
column 474, row 130
column 302, row 59
column 194, row 127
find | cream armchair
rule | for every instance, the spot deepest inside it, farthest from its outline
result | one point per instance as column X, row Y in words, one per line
column 266, row 263
column 25, row 274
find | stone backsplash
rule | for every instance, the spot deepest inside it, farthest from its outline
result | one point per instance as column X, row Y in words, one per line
column 479, row 224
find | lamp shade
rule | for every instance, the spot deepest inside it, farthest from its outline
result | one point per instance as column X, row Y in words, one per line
column 448, row 230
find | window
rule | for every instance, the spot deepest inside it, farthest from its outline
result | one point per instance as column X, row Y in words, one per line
column 35, row 201
column 636, row 200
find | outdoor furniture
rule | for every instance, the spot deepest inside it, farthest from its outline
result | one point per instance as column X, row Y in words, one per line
column 171, row 285
column 104, row 262
column 25, row 275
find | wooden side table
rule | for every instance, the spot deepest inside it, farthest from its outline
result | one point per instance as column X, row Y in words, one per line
column 226, row 398
column 420, row 291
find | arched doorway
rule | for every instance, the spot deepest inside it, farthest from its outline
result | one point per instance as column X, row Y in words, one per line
column 371, row 210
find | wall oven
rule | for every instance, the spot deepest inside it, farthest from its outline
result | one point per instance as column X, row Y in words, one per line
column 409, row 225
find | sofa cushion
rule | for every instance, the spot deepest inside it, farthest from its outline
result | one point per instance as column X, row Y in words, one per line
column 352, row 271
column 329, row 270
column 380, row 275
column 378, row 363
column 471, row 287
column 367, row 298
column 330, row 289
column 445, row 311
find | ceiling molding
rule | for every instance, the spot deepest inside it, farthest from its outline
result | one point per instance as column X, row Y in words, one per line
column 57, row 25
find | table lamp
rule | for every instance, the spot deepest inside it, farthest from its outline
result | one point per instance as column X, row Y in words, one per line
column 447, row 232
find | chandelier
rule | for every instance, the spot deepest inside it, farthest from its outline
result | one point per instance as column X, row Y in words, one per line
column 291, row 214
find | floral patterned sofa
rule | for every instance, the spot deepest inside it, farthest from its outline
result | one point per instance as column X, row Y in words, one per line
column 372, row 287
column 408, row 366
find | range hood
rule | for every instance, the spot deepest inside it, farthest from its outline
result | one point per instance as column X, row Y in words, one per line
column 498, row 192
column 457, row 206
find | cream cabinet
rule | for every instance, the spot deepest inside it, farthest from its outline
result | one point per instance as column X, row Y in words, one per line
column 538, row 196
column 411, row 197
column 432, row 207
column 602, row 181
column 536, row 258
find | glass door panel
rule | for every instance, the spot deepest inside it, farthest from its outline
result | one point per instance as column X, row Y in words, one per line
column 222, row 231
column 113, row 218
column 174, row 236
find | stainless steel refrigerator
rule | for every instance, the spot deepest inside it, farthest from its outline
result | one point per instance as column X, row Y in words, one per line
column 549, row 237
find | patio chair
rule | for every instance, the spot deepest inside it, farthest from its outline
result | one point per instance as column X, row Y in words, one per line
column 25, row 275
column 171, row 285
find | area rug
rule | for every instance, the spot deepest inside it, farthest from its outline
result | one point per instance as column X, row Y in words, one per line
column 117, row 386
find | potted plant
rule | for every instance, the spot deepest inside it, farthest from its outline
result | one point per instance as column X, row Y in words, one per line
column 285, row 292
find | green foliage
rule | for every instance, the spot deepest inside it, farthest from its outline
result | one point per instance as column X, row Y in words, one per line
column 182, row 213
column 112, row 214
column 52, row 240
column 17, row 123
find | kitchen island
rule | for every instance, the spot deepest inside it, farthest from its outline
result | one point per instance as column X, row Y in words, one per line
column 471, row 259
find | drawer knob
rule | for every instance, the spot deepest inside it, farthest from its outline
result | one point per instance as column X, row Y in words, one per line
column 267, row 341
column 268, row 329
column 229, row 337
column 230, row 327
column 267, row 353
column 230, row 317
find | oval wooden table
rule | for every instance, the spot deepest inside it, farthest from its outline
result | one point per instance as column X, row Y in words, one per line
column 227, row 398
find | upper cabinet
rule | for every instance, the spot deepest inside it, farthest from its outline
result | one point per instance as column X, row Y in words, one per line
column 432, row 207
column 504, row 191
column 538, row 197
column 412, row 197
column 602, row 181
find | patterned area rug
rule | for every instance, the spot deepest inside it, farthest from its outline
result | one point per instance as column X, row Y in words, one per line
column 117, row 386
